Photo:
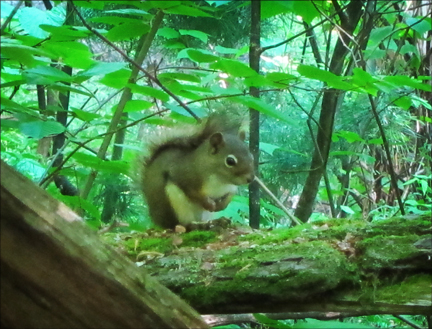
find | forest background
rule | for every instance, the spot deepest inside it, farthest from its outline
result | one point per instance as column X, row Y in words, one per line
column 338, row 94
column 344, row 100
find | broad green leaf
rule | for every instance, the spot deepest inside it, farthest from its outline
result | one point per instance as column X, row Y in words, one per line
column 403, row 102
column 128, row 31
column 129, row 11
column 234, row 68
column 268, row 148
column 6, row 9
column 19, row 53
column 330, row 324
column 72, row 53
column 168, row 33
column 331, row 79
column 403, row 80
column 379, row 34
column 94, row 4
column 305, row 9
column 261, row 106
column 196, row 34
column 280, row 79
column 179, row 76
column 408, row 48
column 419, row 25
column 150, row 91
column 273, row 8
column 187, row 10
column 114, row 20
column 174, row 44
column 8, row 105
column 218, row 2
column 376, row 141
column 364, row 80
column 350, row 136
column 45, row 75
column 117, row 79
column 99, row 68
column 348, row 210
column 137, row 105
column 30, row 18
column 38, row 129
column 199, row 56
column 13, row 83
column 84, row 115
column 64, row 33
column 65, row 88
column 257, row 81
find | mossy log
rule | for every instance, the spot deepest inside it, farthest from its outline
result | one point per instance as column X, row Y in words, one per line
column 343, row 266
column 56, row 273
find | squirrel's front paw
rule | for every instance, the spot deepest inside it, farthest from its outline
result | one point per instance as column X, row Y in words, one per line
column 209, row 204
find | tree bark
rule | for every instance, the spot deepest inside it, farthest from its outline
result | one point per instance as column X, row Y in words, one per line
column 332, row 99
column 56, row 273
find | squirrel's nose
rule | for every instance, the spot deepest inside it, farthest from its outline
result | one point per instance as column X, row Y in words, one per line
column 250, row 179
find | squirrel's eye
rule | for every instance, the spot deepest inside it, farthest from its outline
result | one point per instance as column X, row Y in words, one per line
column 230, row 160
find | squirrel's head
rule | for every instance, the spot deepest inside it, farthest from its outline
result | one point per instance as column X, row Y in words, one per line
column 229, row 158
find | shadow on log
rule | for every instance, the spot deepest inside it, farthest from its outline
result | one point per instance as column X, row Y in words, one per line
column 56, row 273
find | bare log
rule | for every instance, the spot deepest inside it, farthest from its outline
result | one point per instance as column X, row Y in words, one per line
column 56, row 273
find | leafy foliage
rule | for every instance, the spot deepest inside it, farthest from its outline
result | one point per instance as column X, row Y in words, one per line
column 198, row 55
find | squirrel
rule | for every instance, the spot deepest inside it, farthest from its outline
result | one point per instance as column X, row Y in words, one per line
column 194, row 172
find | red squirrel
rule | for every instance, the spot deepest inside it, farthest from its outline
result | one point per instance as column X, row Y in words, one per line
column 191, row 173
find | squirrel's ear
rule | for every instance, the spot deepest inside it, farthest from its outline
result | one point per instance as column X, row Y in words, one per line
column 242, row 135
column 216, row 142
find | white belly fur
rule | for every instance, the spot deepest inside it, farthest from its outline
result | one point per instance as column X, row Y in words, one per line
column 187, row 211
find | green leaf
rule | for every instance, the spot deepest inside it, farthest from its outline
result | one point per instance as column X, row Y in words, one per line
column 403, row 80
column 196, row 34
column 129, row 11
column 273, row 8
column 379, row 34
column 306, row 10
column 6, row 9
column 38, row 129
column 376, row 141
column 100, row 68
column 330, row 324
column 350, row 136
column 268, row 148
column 94, row 4
column 365, row 81
column 199, row 56
column 137, row 105
column 179, row 76
column 64, row 33
column 348, row 210
column 117, row 79
column 168, row 33
column 65, row 88
column 187, row 10
column 259, row 105
column 30, row 18
column 45, row 75
column 128, row 31
column 234, row 68
column 403, row 102
column 72, row 53
column 8, row 105
column 330, row 78
column 149, row 91
column 84, row 115
column 174, row 44
column 419, row 25
column 280, row 79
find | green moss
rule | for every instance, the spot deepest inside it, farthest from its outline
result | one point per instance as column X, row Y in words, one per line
column 375, row 251
column 198, row 239
column 410, row 290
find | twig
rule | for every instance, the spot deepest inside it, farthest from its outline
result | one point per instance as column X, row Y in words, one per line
column 285, row 210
